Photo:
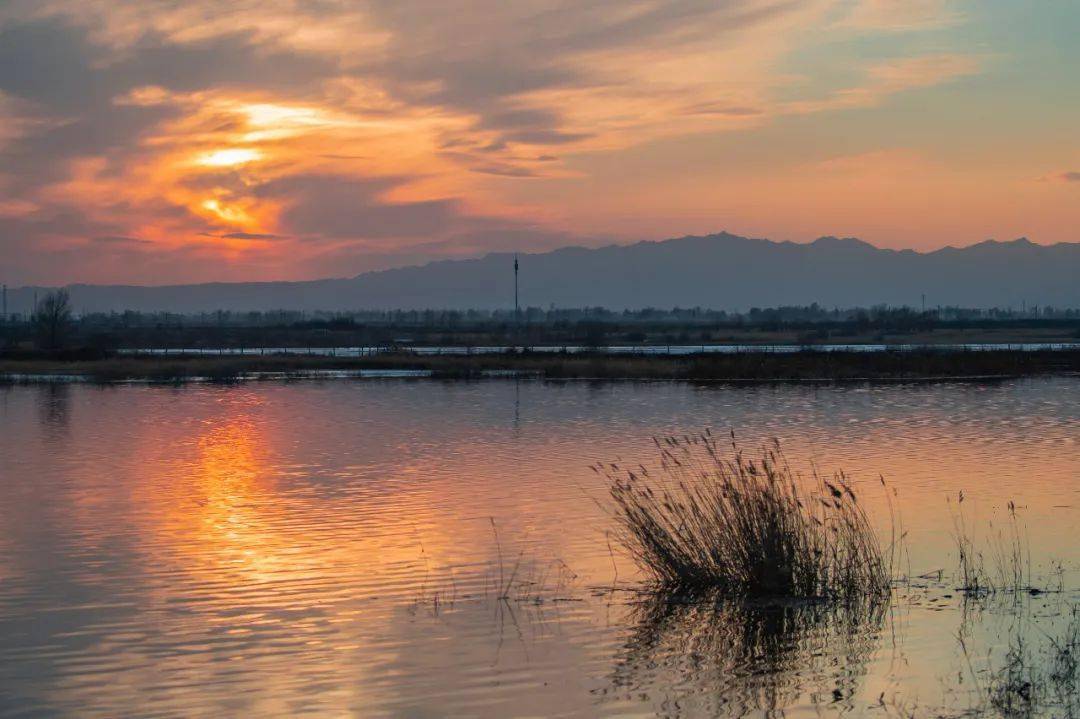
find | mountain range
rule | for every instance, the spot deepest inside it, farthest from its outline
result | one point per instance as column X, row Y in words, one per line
column 720, row 271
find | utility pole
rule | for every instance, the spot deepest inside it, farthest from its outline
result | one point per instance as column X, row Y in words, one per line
column 517, row 309
column 4, row 318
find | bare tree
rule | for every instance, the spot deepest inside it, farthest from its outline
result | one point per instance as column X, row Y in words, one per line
column 53, row 319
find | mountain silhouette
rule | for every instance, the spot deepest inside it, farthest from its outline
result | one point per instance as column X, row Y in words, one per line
column 721, row 271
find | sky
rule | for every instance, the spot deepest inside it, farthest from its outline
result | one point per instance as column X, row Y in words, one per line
column 167, row 141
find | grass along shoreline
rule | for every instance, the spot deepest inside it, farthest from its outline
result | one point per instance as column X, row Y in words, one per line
column 750, row 366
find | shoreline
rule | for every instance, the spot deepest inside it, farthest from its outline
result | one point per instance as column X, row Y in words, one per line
column 923, row 365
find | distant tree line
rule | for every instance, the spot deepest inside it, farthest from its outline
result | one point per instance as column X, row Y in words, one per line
column 796, row 314
column 55, row 325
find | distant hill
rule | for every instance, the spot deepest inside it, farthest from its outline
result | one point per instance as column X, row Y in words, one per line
column 721, row 271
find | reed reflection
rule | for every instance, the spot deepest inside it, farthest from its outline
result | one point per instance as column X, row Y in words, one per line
column 713, row 656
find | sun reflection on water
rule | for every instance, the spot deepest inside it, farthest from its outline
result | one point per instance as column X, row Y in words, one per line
column 270, row 548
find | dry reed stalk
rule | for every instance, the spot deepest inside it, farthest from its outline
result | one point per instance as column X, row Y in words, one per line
column 746, row 526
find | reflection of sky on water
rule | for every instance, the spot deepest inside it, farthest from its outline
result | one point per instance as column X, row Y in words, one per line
column 265, row 548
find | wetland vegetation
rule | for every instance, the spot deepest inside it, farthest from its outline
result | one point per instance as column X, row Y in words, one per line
column 742, row 366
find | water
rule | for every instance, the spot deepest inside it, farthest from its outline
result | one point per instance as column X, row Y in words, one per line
column 340, row 547
column 612, row 349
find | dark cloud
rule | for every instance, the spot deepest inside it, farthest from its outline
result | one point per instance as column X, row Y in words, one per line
column 443, row 56
column 505, row 171
column 252, row 236
column 246, row 236
column 723, row 110
column 52, row 64
column 53, row 67
column 48, row 247
column 547, row 137
column 105, row 130
column 235, row 60
column 73, row 84
column 63, row 221
column 522, row 118
column 470, row 83
column 1071, row 176
column 335, row 206
column 119, row 240
column 36, row 245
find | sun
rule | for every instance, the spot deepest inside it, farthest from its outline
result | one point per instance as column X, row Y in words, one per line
column 229, row 214
column 229, row 157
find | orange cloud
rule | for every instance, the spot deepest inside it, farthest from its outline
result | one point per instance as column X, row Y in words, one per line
column 283, row 139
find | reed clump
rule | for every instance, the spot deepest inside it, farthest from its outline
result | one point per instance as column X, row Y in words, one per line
column 746, row 526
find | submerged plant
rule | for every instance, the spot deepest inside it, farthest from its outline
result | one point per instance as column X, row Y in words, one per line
column 746, row 526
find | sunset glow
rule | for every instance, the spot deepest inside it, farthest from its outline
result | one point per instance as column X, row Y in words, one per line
column 137, row 137
column 520, row 358
column 227, row 158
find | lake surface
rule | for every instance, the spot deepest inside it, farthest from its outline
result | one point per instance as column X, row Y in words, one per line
column 676, row 349
column 344, row 547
